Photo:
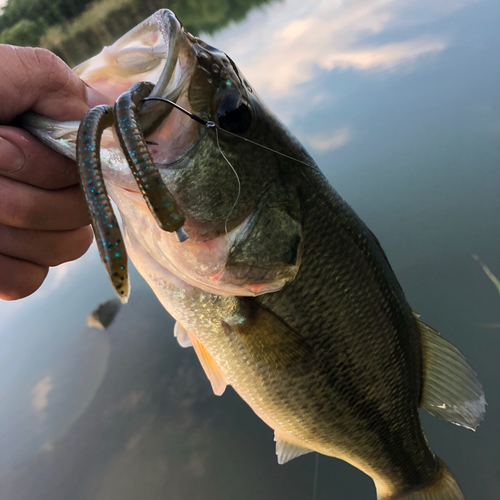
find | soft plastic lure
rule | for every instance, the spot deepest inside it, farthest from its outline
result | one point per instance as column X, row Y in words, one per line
column 162, row 205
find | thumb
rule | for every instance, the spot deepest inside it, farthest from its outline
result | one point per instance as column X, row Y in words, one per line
column 36, row 79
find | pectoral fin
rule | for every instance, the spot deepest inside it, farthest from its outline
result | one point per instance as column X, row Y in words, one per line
column 451, row 390
column 270, row 341
column 287, row 451
column 212, row 371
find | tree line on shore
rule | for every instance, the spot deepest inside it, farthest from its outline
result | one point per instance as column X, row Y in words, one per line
column 77, row 29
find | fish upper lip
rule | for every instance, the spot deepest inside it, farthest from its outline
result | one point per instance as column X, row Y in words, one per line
column 172, row 79
column 173, row 34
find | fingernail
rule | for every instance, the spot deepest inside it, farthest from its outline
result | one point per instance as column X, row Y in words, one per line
column 12, row 158
column 94, row 97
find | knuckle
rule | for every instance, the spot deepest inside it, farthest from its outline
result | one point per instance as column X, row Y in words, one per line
column 71, row 247
column 35, row 78
column 22, row 291
column 33, row 60
column 45, row 58
column 41, row 60
column 21, row 280
column 54, row 70
column 46, row 71
column 87, row 237
column 82, row 242
column 32, row 284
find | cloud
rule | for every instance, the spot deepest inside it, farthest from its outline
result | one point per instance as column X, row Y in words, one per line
column 326, row 142
column 48, row 446
column 128, row 404
column 294, row 45
column 39, row 396
column 197, row 464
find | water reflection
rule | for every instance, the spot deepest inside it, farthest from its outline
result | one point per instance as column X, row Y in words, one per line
column 324, row 35
column 398, row 101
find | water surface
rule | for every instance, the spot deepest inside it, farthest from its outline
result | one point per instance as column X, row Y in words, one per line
column 398, row 101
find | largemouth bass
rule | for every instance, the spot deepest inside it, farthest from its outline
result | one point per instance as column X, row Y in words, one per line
column 281, row 289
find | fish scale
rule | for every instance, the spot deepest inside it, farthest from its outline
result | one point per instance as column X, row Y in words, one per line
column 382, row 322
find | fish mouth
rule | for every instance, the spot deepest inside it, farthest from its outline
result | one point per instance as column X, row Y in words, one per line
column 173, row 35
column 149, row 52
column 173, row 76
column 160, row 51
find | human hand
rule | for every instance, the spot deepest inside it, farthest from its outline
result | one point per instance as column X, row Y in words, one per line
column 43, row 214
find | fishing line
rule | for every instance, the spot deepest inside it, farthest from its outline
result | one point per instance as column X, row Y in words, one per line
column 260, row 145
column 237, row 178
column 180, row 108
column 211, row 124
column 315, row 481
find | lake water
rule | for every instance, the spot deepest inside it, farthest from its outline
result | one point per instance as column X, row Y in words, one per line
column 399, row 103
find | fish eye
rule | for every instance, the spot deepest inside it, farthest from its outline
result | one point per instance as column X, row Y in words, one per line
column 234, row 115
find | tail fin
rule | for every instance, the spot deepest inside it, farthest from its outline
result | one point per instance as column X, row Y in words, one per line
column 443, row 487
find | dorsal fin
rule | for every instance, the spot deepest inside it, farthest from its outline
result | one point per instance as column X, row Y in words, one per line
column 182, row 335
column 287, row 451
column 451, row 390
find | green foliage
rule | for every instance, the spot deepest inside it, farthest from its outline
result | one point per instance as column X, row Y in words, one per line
column 46, row 12
column 101, row 24
column 25, row 32
column 77, row 29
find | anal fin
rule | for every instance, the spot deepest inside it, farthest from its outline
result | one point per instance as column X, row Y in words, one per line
column 451, row 390
column 182, row 336
column 287, row 451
